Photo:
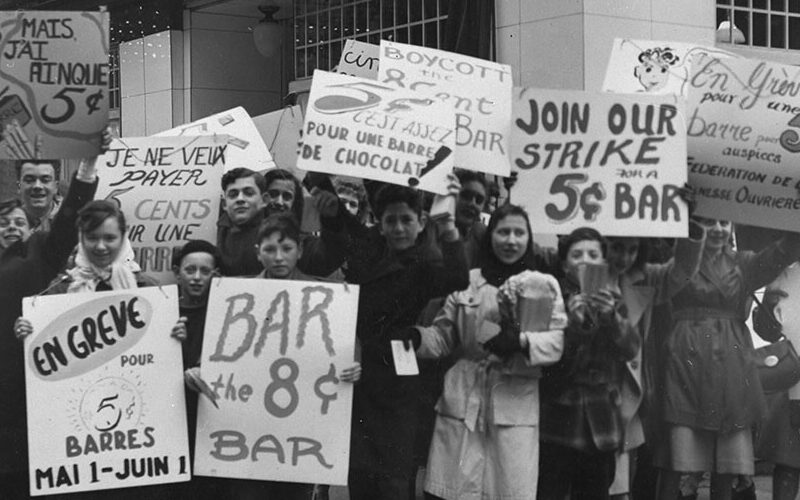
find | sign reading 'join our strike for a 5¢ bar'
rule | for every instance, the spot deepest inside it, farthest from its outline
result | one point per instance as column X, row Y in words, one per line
column 613, row 162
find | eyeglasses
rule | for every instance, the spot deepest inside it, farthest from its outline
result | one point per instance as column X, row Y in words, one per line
column 469, row 196
column 277, row 193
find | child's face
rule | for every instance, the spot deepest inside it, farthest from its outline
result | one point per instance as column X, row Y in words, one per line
column 718, row 232
column 279, row 256
column 622, row 253
column 400, row 226
column 280, row 196
column 13, row 227
column 243, row 200
column 582, row 252
column 510, row 239
column 195, row 273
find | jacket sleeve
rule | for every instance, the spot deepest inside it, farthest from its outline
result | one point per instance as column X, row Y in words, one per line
column 441, row 338
column 324, row 255
column 452, row 274
column 63, row 236
column 760, row 269
column 670, row 277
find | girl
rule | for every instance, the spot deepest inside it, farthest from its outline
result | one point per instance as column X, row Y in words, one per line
column 642, row 286
column 712, row 393
column 582, row 425
column 486, row 437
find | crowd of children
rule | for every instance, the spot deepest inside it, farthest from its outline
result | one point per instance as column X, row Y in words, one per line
column 583, row 406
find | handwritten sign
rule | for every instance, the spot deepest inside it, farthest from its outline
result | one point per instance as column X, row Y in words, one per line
column 247, row 147
column 168, row 189
column 272, row 353
column 608, row 161
column 359, row 59
column 655, row 67
column 104, row 391
column 478, row 90
column 742, row 123
column 53, row 82
column 360, row 128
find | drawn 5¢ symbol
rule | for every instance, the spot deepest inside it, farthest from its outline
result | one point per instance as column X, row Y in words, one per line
column 67, row 106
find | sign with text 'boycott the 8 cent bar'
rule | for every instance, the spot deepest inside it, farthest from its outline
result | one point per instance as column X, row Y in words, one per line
column 53, row 83
column 612, row 162
column 272, row 353
column 105, row 391
column 743, row 127
column 478, row 91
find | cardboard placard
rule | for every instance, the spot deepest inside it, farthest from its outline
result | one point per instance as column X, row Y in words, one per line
column 479, row 92
column 359, row 59
column 743, row 128
column 280, row 131
column 359, row 128
column 168, row 189
column 105, row 391
column 654, row 67
column 271, row 352
column 612, row 162
column 247, row 147
column 54, row 78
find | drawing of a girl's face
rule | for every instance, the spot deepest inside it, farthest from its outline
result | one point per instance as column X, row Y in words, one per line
column 651, row 75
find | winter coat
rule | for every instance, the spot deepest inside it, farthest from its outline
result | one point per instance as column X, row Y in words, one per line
column 26, row 268
column 394, row 288
column 486, row 438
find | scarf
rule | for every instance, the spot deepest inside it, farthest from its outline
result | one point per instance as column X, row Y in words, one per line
column 120, row 275
column 496, row 273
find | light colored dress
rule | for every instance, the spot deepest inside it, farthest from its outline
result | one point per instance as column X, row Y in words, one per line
column 486, row 438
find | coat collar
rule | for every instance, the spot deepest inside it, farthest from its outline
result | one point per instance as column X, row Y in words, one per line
column 637, row 295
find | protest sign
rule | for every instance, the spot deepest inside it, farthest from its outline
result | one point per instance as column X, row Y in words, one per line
column 280, row 131
column 53, row 83
column 359, row 128
column 247, row 147
column 168, row 189
column 359, row 59
column 742, row 126
column 478, row 90
column 104, row 391
column 612, row 162
column 271, row 354
column 654, row 67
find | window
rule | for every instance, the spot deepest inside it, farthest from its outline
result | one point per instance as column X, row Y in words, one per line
column 113, row 77
column 764, row 23
column 322, row 26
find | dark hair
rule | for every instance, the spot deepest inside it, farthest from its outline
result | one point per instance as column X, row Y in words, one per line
column 465, row 176
column 279, row 174
column 580, row 234
column 284, row 224
column 56, row 164
column 8, row 206
column 92, row 216
column 391, row 193
column 642, row 254
column 196, row 246
column 486, row 253
column 241, row 173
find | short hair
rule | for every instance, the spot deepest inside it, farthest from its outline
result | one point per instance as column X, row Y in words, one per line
column 580, row 234
column 92, row 216
column 241, row 173
column 284, row 224
column 196, row 246
column 465, row 176
column 391, row 193
column 56, row 164
column 8, row 206
column 280, row 174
